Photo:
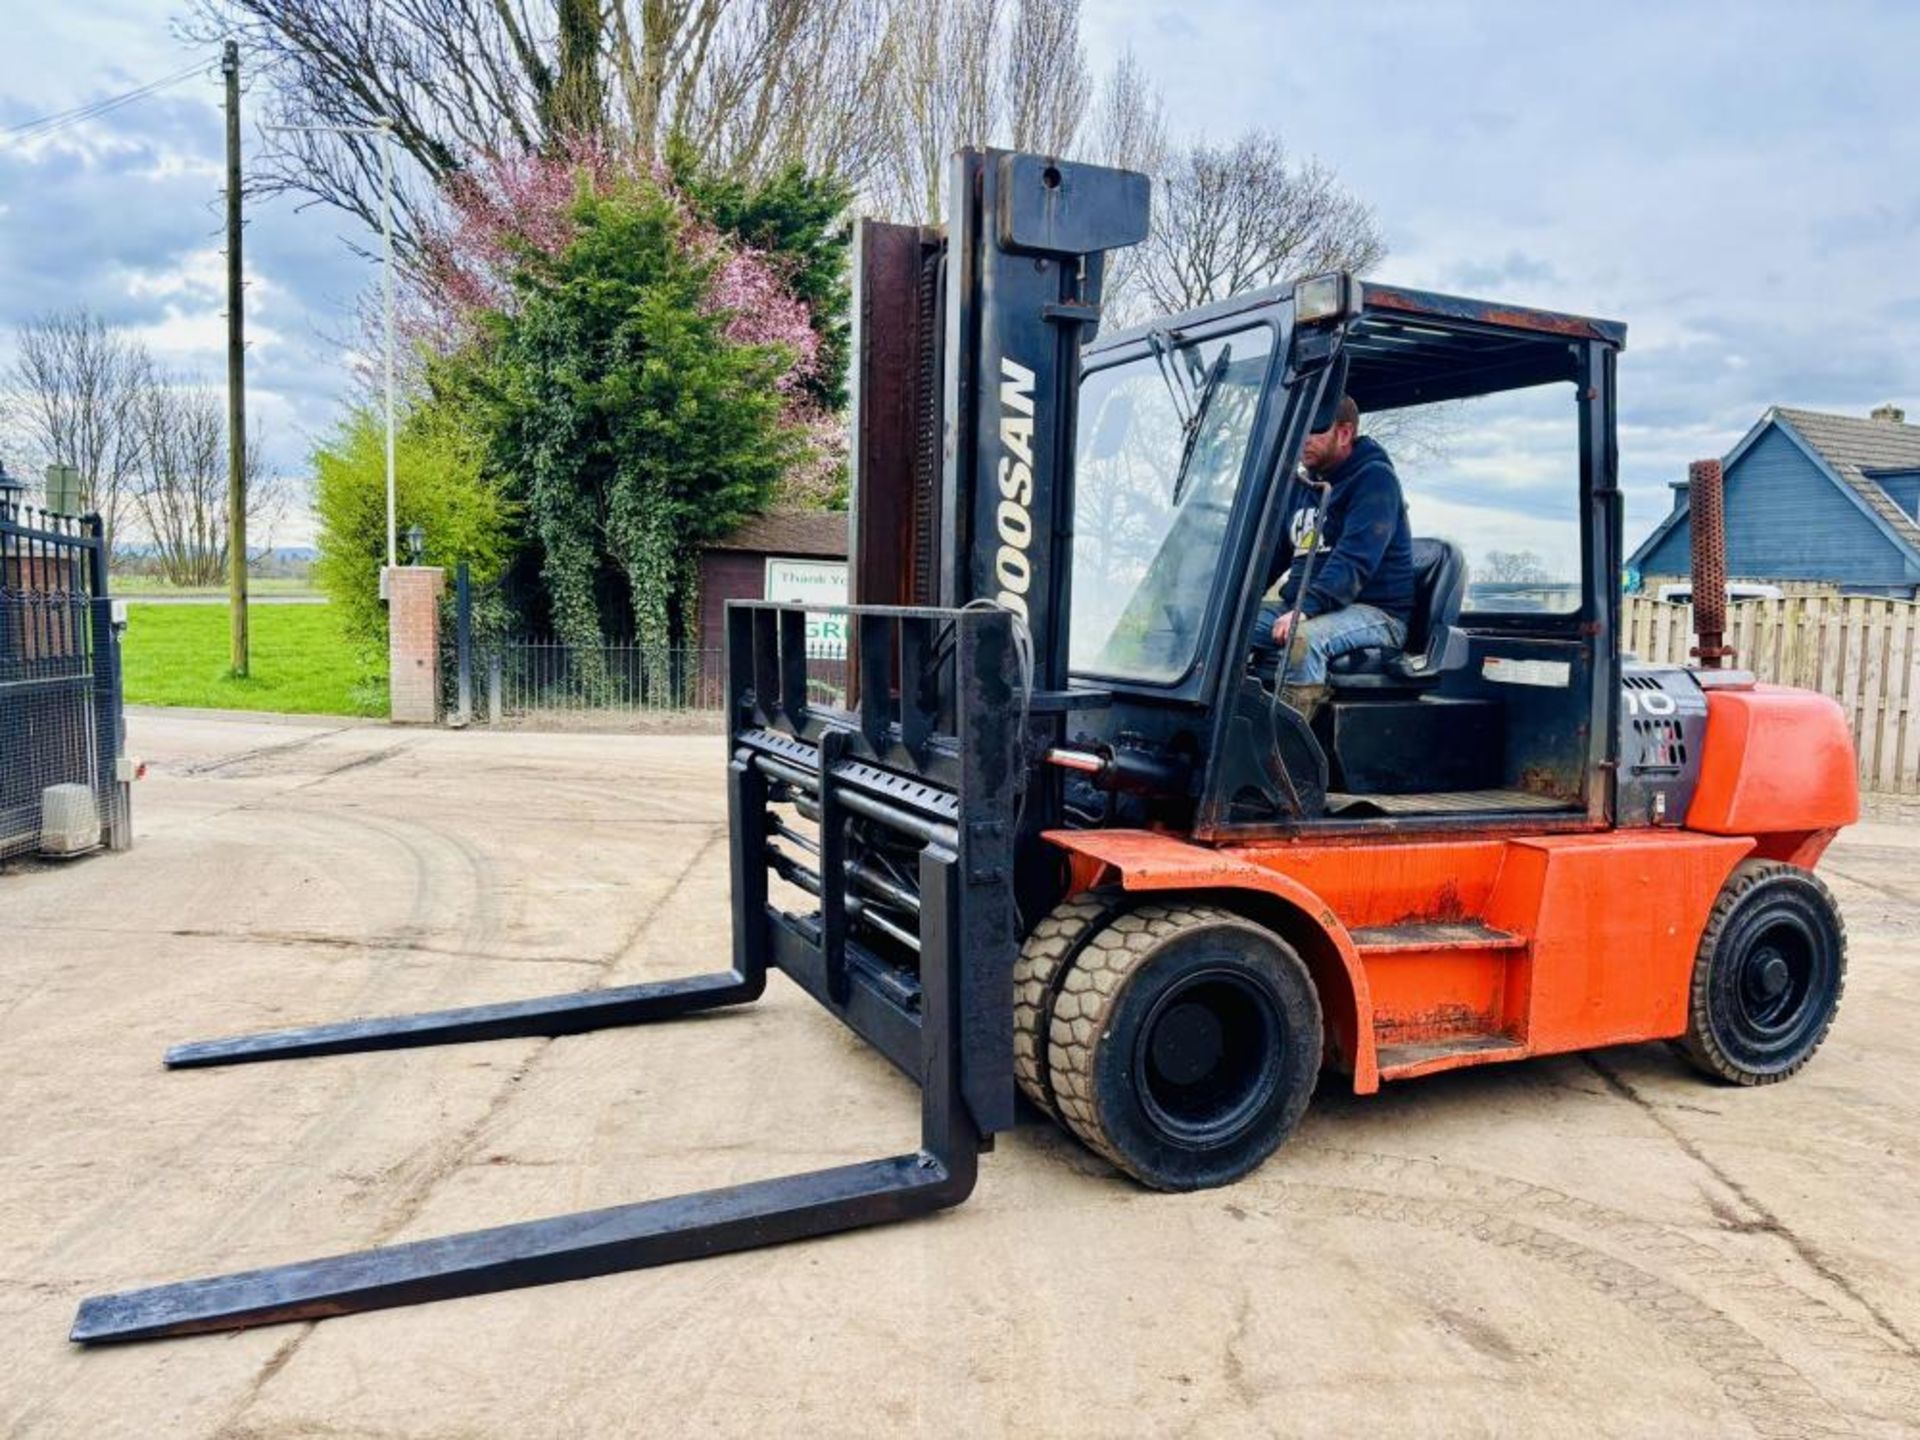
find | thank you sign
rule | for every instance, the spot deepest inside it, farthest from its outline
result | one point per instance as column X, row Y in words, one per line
column 813, row 582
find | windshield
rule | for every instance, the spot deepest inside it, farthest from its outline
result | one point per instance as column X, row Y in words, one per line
column 1146, row 537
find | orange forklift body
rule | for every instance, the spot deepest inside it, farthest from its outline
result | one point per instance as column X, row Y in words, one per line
column 1431, row 955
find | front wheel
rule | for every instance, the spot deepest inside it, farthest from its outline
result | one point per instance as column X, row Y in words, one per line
column 1183, row 1044
column 1768, row 975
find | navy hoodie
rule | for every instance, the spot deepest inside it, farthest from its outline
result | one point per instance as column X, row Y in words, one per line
column 1364, row 540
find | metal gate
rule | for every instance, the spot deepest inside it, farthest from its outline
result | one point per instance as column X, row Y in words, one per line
column 60, row 707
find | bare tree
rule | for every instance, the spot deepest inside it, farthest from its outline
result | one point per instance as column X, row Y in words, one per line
column 72, row 394
column 973, row 72
column 1048, row 87
column 1129, row 126
column 1129, row 130
column 775, row 82
column 1419, row 434
column 941, row 90
column 1231, row 218
column 181, row 488
column 746, row 84
column 1521, row 567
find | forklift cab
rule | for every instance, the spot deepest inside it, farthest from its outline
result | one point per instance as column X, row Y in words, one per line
column 1501, row 701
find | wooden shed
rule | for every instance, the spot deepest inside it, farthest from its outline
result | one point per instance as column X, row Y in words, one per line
column 801, row 554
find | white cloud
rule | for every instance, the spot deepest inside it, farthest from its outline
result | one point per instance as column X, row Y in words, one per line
column 1478, row 529
column 1738, row 189
column 124, row 216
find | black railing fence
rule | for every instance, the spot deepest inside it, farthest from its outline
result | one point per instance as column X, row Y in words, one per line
column 494, row 675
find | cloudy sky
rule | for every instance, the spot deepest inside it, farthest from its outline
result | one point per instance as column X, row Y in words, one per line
column 1738, row 182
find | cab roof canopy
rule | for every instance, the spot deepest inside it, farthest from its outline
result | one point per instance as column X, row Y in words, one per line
column 1415, row 347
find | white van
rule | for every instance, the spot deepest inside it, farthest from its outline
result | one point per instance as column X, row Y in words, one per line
column 1681, row 592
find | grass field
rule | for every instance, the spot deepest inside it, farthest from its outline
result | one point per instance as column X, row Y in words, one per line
column 301, row 662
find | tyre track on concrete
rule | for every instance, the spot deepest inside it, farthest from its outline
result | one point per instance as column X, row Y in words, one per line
column 1771, row 1394
column 374, row 1084
column 309, row 940
column 452, row 1156
column 371, row 1085
column 1768, row 1222
column 1885, row 892
column 261, row 752
column 473, row 904
column 472, row 907
column 1873, row 1362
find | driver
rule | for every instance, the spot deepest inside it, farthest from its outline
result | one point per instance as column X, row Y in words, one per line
column 1360, row 590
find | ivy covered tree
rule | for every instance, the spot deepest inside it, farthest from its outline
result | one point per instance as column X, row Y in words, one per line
column 637, row 374
column 799, row 220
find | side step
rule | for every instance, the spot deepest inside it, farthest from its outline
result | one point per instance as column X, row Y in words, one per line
column 1416, row 1036
column 1454, row 1052
column 1434, row 935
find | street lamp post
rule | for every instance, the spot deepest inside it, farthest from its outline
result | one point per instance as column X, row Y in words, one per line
column 382, row 127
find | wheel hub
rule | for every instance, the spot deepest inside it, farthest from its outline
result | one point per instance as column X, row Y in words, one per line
column 1209, row 1057
column 1773, row 975
column 1776, row 979
column 1187, row 1042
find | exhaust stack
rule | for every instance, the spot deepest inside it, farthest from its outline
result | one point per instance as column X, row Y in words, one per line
column 1706, row 492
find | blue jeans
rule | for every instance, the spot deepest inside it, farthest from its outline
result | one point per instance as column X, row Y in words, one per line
column 1338, row 631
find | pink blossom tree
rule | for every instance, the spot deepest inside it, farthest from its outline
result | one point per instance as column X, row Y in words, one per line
column 512, row 209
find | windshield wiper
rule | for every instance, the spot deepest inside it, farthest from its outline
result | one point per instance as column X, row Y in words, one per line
column 1162, row 346
column 1208, row 388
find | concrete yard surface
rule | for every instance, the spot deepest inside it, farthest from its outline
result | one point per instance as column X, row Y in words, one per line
column 1587, row 1245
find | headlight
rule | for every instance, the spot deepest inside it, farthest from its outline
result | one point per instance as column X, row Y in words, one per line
column 1325, row 297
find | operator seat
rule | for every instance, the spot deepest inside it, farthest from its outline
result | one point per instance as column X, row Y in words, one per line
column 1434, row 646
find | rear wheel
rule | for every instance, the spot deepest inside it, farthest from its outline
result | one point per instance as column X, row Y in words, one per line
column 1768, row 975
column 1183, row 1044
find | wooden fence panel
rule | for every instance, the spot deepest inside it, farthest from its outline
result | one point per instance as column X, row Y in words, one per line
column 1889, row 725
column 1861, row 650
column 1906, row 748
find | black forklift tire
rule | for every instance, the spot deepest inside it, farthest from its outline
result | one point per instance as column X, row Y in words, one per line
column 1768, row 975
column 1036, row 979
column 1184, row 1044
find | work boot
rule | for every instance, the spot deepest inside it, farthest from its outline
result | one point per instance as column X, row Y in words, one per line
column 1307, row 699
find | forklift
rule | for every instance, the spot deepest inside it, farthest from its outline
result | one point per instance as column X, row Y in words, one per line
column 1047, row 832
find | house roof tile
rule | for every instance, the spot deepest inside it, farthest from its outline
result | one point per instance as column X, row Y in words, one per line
column 821, row 533
column 1853, row 445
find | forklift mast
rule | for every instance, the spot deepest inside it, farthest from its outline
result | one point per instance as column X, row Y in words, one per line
column 968, row 357
column 968, row 351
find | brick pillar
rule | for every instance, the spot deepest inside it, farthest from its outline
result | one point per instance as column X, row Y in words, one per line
column 413, row 643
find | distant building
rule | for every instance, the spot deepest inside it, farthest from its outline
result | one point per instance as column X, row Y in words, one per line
column 1812, row 499
column 795, row 555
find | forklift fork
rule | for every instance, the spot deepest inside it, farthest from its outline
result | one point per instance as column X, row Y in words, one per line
column 935, row 769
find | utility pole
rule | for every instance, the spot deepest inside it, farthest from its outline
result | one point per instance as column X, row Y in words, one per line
column 236, row 377
column 385, row 128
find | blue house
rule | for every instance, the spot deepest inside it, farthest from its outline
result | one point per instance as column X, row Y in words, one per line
column 1832, row 499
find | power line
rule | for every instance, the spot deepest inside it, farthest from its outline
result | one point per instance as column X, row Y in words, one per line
column 65, row 119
